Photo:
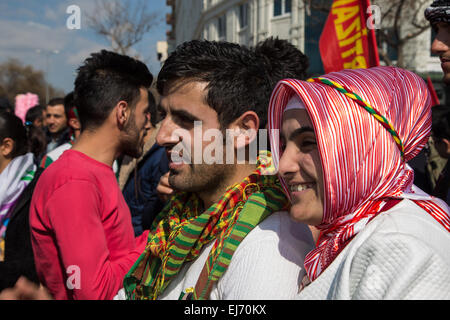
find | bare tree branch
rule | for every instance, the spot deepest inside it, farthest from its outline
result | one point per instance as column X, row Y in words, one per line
column 123, row 23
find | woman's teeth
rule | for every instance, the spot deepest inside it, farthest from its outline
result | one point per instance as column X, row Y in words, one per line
column 301, row 187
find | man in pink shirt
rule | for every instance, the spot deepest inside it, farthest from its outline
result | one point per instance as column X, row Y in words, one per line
column 81, row 230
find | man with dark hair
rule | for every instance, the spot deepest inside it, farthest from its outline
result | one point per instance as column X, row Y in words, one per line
column 73, row 122
column 138, row 178
column 212, row 240
column 441, row 138
column 439, row 16
column 82, row 236
column 56, row 120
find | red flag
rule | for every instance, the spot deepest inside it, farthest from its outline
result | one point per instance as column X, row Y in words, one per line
column 346, row 41
column 434, row 97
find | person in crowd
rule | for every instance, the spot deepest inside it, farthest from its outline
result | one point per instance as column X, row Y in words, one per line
column 81, row 229
column 428, row 164
column 25, row 290
column 35, row 116
column 345, row 140
column 37, row 140
column 438, row 14
column 138, row 178
column 73, row 122
column 224, row 233
column 6, row 105
column 56, row 120
column 18, row 176
column 441, row 139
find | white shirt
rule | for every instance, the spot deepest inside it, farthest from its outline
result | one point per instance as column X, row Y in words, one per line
column 403, row 253
column 268, row 264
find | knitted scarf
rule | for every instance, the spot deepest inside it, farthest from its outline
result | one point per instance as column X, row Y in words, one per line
column 181, row 231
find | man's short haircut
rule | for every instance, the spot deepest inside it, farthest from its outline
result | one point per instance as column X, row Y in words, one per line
column 69, row 104
column 103, row 80
column 441, row 122
column 239, row 79
column 55, row 101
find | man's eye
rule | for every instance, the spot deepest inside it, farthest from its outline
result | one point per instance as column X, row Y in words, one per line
column 434, row 27
column 184, row 122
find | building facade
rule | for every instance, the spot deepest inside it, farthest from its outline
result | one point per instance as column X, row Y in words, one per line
column 244, row 22
column 249, row 21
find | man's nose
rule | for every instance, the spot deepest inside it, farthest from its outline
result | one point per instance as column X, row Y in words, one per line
column 439, row 45
column 166, row 136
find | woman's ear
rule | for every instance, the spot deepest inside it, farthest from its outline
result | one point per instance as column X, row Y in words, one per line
column 7, row 147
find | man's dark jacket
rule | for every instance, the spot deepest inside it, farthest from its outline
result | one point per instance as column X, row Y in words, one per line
column 140, row 189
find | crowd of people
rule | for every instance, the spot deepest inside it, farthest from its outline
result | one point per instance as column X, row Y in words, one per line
column 100, row 198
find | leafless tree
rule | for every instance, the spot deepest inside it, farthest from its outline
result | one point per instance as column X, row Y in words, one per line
column 124, row 23
column 16, row 78
column 401, row 21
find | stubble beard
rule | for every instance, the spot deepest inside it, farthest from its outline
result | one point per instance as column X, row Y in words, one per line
column 131, row 145
column 199, row 178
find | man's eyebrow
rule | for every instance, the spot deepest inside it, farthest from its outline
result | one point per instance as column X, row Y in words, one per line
column 294, row 134
column 183, row 114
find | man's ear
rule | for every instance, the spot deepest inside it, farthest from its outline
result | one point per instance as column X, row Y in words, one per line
column 7, row 147
column 245, row 129
column 74, row 124
column 122, row 110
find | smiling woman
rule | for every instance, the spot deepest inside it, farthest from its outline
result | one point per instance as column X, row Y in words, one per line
column 349, row 178
column 300, row 165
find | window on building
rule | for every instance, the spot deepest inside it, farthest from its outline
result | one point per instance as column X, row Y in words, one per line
column 222, row 28
column 281, row 7
column 243, row 15
column 287, row 6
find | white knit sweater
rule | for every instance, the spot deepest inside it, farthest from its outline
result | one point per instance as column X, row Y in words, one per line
column 268, row 264
column 401, row 254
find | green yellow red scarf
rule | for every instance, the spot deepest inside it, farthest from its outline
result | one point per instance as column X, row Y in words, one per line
column 181, row 231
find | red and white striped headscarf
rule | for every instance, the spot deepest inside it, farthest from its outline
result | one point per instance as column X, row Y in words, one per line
column 362, row 165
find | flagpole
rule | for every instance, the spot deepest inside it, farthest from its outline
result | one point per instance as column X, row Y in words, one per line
column 372, row 37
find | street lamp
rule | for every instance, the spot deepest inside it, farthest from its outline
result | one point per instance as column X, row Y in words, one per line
column 47, row 54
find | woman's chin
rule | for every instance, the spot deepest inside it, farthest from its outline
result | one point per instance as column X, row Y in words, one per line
column 305, row 215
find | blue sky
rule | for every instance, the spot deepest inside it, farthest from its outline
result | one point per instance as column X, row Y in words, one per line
column 29, row 25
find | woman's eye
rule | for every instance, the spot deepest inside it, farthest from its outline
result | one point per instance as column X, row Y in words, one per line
column 282, row 144
column 308, row 143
